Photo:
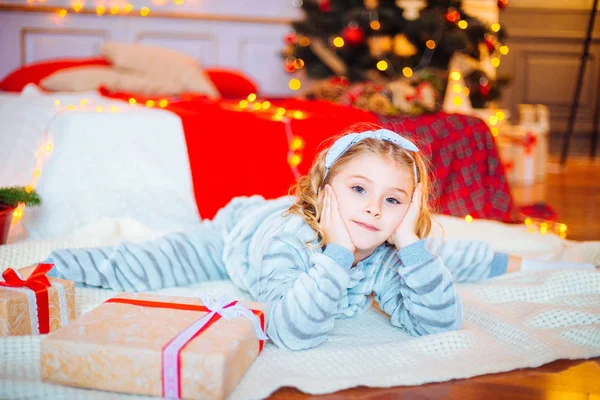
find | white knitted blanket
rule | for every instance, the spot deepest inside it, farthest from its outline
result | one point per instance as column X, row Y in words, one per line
column 514, row 321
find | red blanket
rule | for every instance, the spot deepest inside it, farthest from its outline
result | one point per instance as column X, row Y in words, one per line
column 242, row 153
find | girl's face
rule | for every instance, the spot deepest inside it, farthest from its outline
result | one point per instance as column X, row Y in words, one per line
column 373, row 196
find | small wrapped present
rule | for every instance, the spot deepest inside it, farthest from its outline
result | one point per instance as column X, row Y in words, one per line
column 517, row 149
column 35, row 305
column 154, row 345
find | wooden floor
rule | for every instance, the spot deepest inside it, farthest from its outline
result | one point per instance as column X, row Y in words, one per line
column 575, row 194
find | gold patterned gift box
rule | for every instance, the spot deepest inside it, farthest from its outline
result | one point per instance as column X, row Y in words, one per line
column 34, row 305
column 174, row 347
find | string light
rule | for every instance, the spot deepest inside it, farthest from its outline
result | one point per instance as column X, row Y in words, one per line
column 468, row 218
column 338, row 42
column 466, row 91
column 455, row 75
column 48, row 148
column 375, row 25
column 99, row 109
column 495, row 131
column 128, row 7
column 457, row 100
column 150, row 103
column 178, row 2
column 281, row 111
column 504, row 50
column 266, row 105
column 493, row 120
column 100, row 10
column 294, row 84
column 251, row 97
column 457, row 88
column 304, row 41
column 298, row 63
column 430, row 44
column 256, row 106
column 62, row 13
column 144, row 11
column 496, row 27
column 163, row 103
column 408, row 72
column 77, row 6
column 132, row 101
column 500, row 115
column 298, row 114
column 462, row 24
column 496, row 62
column 294, row 160
column 297, row 143
column 382, row 65
column 57, row 102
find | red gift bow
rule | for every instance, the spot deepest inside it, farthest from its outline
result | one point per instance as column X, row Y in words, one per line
column 529, row 142
column 418, row 95
column 190, row 307
column 39, row 283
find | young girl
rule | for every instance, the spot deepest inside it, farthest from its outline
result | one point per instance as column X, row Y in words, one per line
column 355, row 227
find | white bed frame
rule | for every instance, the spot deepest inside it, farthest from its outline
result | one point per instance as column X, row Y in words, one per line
column 242, row 34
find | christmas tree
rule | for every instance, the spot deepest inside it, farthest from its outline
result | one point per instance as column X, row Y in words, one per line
column 379, row 42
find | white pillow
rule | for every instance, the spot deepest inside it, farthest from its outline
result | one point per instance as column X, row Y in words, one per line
column 158, row 61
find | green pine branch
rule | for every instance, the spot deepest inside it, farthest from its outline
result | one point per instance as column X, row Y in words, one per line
column 15, row 195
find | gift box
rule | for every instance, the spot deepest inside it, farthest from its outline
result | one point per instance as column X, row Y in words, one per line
column 517, row 148
column 35, row 305
column 155, row 345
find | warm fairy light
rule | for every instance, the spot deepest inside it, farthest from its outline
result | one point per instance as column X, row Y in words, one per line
column 528, row 221
column 36, row 172
column 430, row 44
column 256, row 106
column 70, row 107
column 504, row 50
column 298, row 114
column 28, row 188
column 457, row 100
column 243, row 104
column 114, row 10
column 500, row 115
column 496, row 27
column 251, row 97
column 455, row 75
column 468, row 218
column 408, row 72
column 496, row 62
column 543, row 228
column 48, row 148
column 297, row 143
column 150, row 103
column 62, row 13
column 562, row 228
column 77, row 6
column 281, row 111
column 144, row 11
column 163, row 103
column 266, row 105
column 295, row 84
column 294, row 160
column 99, row 109
column 457, row 88
column 493, row 120
column 83, row 102
column 466, row 91
column 304, row 41
column 132, row 101
column 18, row 213
column 278, row 117
column 495, row 131
column 178, row 2
column 100, row 10
column 57, row 102
column 298, row 63
column 375, row 25
column 128, row 7
column 462, row 24
column 338, row 42
column 382, row 65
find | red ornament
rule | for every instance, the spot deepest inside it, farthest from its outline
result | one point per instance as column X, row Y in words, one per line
column 291, row 38
column 502, row 4
column 325, row 5
column 452, row 16
column 484, row 90
column 289, row 66
column 491, row 46
column 353, row 35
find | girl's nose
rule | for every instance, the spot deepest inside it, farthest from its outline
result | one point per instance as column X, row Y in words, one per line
column 372, row 208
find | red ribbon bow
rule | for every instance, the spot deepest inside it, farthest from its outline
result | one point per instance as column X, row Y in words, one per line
column 39, row 283
column 529, row 142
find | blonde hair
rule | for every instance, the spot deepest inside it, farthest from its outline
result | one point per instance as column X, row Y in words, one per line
column 307, row 187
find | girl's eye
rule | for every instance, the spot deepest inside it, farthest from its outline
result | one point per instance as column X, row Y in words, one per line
column 392, row 200
column 358, row 189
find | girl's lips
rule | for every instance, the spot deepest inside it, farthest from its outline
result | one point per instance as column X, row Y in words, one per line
column 366, row 226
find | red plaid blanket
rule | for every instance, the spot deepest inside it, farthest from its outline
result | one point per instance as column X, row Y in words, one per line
column 467, row 175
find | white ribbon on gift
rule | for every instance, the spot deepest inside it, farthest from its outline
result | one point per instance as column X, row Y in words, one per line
column 170, row 356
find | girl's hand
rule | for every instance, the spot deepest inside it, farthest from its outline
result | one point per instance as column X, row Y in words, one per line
column 331, row 221
column 405, row 234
